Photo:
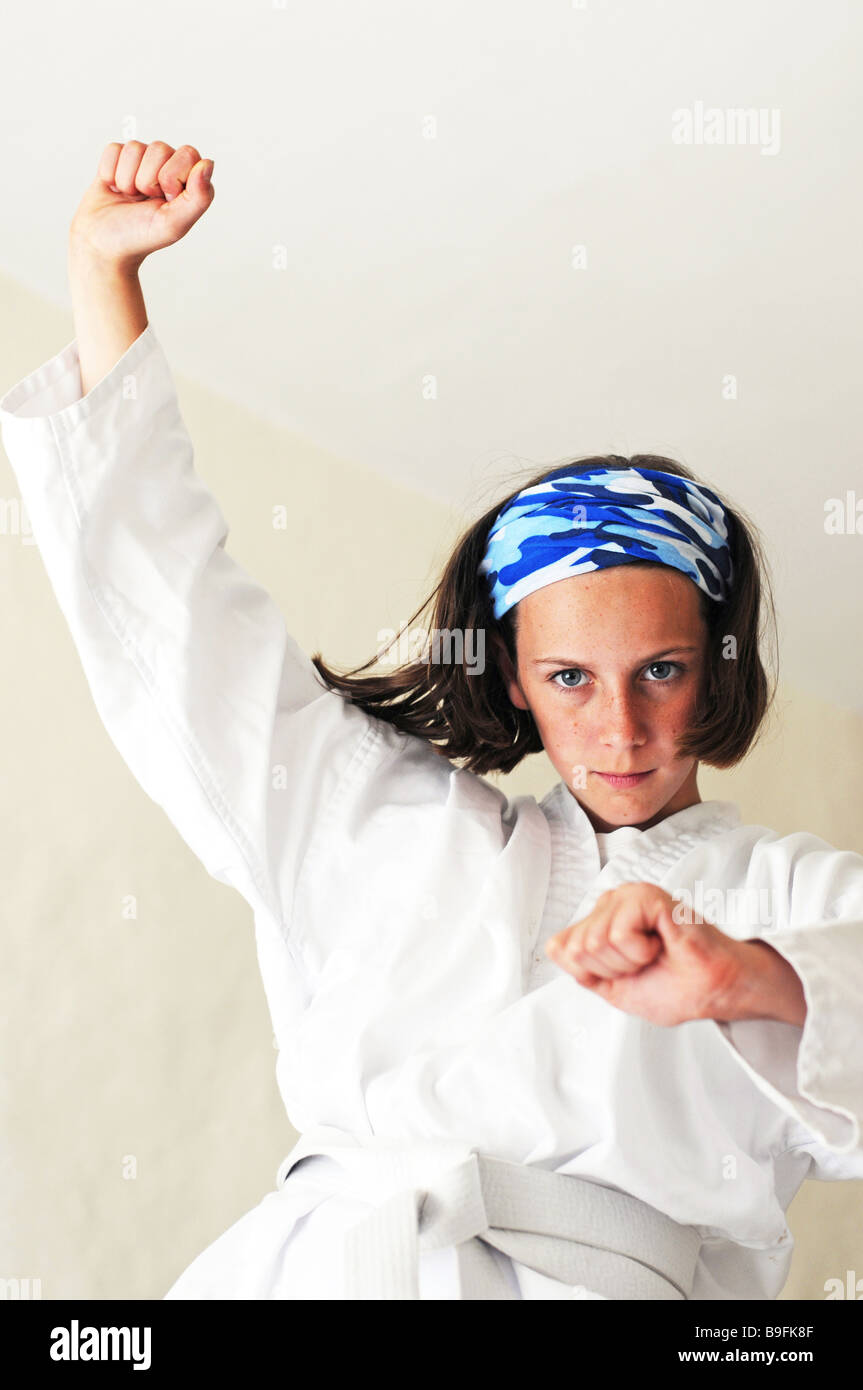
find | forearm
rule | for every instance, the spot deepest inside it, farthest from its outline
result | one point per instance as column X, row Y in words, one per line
column 767, row 986
column 108, row 309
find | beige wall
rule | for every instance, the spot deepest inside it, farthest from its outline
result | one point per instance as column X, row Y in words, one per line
column 146, row 1042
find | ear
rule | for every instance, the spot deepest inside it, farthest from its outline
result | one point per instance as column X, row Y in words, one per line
column 509, row 676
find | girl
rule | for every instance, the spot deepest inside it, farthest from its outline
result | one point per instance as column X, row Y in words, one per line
column 534, row 1050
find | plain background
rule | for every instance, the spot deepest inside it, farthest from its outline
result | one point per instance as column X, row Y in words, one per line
column 377, row 328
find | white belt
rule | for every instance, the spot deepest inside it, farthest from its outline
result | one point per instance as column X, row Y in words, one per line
column 430, row 1194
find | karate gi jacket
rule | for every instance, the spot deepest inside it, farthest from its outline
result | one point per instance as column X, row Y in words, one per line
column 401, row 904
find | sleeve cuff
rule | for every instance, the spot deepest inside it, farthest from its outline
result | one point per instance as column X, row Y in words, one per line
column 813, row 1072
column 52, row 392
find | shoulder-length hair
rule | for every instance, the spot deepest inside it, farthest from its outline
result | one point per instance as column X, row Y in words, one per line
column 470, row 717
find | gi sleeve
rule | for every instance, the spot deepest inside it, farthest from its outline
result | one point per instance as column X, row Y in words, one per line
column 220, row 716
column 814, row 1072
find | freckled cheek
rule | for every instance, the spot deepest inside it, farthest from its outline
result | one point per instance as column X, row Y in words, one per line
column 556, row 726
column 676, row 719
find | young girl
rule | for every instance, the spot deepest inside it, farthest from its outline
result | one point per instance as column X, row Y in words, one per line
column 534, row 1050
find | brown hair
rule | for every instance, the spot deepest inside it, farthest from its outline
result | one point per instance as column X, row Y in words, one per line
column 471, row 717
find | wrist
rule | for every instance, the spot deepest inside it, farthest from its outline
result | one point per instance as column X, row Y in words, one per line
column 87, row 263
column 766, row 986
column 108, row 309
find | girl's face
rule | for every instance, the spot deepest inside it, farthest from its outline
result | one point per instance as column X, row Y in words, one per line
column 610, row 664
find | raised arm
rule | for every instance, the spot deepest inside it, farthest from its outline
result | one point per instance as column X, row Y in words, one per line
column 218, row 713
column 143, row 198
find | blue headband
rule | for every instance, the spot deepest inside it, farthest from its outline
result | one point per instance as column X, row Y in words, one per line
column 573, row 522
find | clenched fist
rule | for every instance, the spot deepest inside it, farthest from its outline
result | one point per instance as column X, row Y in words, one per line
column 648, row 954
column 143, row 197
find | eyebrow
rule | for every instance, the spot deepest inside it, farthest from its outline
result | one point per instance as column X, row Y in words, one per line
column 571, row 661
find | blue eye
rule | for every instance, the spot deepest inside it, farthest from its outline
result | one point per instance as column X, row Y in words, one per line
column 672, row 666
column 568, row 672
column 654, row 664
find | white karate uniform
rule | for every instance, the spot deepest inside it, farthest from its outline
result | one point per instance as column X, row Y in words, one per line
column 401, row 904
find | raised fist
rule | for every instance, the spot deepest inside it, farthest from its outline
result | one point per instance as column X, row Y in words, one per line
column 143, row 197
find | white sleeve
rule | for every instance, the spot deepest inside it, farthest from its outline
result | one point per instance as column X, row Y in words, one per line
column 814, row 1072
column 220, row 716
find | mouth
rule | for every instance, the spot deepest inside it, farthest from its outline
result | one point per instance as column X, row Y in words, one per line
column 623, row 780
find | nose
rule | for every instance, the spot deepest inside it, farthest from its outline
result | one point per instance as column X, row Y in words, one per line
column 620, row 721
